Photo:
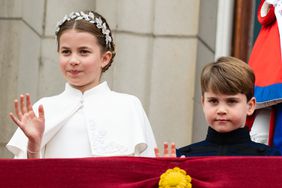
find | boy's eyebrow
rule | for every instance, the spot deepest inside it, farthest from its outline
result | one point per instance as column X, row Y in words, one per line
column 211, row 97
column 228, row 97
column 233, row 97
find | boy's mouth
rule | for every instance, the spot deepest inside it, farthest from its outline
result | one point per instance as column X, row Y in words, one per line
column 222, row 120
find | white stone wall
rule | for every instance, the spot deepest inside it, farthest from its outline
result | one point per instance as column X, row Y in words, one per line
column 205, row 54
column 159, row 47
column 19, row 55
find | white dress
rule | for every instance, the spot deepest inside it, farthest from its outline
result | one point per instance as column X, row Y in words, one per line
column 98, row 122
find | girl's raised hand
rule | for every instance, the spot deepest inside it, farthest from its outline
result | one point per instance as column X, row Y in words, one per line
column 25, row 118
column 168, row 151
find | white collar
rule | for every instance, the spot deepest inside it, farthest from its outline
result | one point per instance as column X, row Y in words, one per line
column 102, row 88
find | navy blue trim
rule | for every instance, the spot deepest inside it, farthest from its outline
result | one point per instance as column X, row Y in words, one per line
column 277, row 140
column 268, row 93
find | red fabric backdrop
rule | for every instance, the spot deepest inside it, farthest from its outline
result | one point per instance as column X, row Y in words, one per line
column 133, row 172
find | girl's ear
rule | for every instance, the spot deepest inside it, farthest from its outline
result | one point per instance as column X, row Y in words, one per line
column 251, row 106
column 106, row 58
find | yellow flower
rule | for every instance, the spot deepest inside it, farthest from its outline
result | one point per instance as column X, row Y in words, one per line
column 175, row 178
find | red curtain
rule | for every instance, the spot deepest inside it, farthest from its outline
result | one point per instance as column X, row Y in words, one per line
column 133, row 172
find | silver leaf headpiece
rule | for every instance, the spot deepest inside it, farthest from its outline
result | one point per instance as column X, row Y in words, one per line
column 91, row 19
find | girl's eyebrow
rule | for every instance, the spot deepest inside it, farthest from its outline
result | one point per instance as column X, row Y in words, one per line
column 64, row 47
column 83, row 47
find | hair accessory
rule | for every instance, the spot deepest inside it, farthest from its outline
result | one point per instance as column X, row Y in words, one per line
column 90, row 18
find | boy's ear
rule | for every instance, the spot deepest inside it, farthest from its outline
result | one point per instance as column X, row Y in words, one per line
column 251, row 106
column 202, row 100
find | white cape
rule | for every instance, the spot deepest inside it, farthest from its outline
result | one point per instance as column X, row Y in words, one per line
column 116, row 123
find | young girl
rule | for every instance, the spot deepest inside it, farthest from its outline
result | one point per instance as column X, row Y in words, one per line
column 87, row 118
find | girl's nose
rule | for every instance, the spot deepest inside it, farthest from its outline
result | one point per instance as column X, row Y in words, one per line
column 74, row 60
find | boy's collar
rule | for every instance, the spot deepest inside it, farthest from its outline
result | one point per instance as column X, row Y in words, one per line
column 237, row 136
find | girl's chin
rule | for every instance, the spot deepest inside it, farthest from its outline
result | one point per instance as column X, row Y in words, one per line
column 82, row 86
column 75, row 84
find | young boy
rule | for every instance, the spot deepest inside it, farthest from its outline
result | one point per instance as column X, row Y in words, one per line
column 227, row 98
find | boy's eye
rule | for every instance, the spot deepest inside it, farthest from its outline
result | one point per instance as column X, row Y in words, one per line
column 232, row 101
column 213, row 101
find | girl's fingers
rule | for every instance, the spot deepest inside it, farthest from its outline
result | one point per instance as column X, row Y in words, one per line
column 28, row 103
column 166, row 153
column 157, row 152
column 173, row 150
column 169, row 151
column 15, row 120
column 41, row 112
column 22, row 104
column 29, row 108
column 17, row 110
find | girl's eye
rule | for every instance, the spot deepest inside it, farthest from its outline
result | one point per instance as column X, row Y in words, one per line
column 84, row 52
column 65, row 52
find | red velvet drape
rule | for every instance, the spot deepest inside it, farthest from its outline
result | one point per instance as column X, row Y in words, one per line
column 133, row 172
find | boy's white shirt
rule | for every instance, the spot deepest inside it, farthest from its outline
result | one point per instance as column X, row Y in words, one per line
column 260, row 130
column 116, row 124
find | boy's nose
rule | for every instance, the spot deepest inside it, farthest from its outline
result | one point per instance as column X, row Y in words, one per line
column 221, row 109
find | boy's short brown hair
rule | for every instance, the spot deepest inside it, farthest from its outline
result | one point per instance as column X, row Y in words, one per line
column 228, row 75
